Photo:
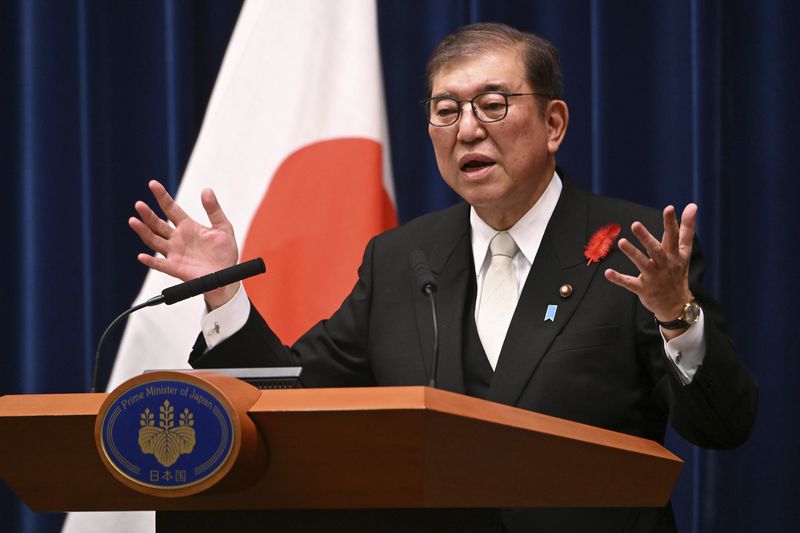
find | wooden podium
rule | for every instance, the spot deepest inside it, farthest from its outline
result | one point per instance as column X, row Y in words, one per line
column 334, row 450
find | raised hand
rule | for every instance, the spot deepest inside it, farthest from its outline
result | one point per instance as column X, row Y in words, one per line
column 189, row 249
column 663, row 281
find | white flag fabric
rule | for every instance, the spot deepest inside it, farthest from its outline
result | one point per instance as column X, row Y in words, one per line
column 294, row 143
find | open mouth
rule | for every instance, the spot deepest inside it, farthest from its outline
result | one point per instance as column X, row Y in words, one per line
column 474, row 165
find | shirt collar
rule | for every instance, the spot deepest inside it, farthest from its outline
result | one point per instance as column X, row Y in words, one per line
column 527, row 232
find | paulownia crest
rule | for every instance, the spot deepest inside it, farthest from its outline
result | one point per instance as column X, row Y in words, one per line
column 166, row 441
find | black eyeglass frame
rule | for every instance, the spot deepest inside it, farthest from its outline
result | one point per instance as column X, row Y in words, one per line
column 460, row 103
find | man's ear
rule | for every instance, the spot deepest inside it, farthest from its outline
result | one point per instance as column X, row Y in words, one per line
column 556, row 118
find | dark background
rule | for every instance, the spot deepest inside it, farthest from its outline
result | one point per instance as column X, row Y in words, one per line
column 671, row 102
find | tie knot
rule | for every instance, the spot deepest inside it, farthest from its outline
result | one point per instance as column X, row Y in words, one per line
column 503, row 244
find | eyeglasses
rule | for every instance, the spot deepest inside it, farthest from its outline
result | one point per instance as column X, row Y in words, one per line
column 487, row 107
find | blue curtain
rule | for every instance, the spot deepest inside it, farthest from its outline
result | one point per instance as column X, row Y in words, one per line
column 671, row 102
column 96, row 97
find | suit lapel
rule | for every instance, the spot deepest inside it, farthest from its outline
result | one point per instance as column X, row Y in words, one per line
column 449, row 256
column 559, row 261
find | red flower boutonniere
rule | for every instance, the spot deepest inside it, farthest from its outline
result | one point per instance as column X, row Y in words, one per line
column 600, row 243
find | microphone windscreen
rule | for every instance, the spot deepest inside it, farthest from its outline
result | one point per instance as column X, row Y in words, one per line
column 422, row 271
column 212, row 281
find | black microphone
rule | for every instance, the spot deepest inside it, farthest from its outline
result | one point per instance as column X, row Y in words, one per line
column 182, row 291
column 215, row 280
column 428, row 287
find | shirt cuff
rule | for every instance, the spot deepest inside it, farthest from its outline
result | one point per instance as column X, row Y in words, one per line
column 687, row 350
column 222, row 322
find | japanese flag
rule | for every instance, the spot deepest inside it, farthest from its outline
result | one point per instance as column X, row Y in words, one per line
column 294, row 143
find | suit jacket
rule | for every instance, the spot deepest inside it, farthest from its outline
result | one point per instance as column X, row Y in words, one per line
column 600, row 362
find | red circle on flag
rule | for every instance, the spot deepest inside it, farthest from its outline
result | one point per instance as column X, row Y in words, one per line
column 324, row 203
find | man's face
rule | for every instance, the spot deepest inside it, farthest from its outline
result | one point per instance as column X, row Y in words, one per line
column 499, row 168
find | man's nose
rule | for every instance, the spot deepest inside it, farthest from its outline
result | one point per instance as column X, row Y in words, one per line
column 469, row 127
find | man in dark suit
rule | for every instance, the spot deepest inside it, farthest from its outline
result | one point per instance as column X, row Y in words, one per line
column 623, row 339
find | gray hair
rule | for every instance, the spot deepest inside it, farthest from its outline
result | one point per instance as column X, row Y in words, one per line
column 540, row 56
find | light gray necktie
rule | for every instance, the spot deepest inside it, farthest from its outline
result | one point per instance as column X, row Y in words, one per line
column 498, row 297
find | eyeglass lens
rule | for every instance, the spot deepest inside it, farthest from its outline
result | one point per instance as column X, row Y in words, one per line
column 489, row 107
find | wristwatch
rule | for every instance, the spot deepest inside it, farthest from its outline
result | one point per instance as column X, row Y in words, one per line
column 689, row 315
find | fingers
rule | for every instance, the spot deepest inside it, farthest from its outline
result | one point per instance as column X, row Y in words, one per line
column 156, row 263
column 184, row 248
column 676, row 240
column 214, row 211
column 152, row 221
column 147, row 260
column 155, row 242
column 662, row 284
column 687, row 231
column 652, row 246
column 670, row 239
column 630, row 283
column 639, row 260
column 167, row 204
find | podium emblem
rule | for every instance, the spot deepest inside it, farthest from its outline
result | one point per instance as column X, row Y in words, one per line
column 166, row 433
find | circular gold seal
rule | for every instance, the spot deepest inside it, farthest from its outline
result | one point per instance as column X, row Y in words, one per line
column 173, row 434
